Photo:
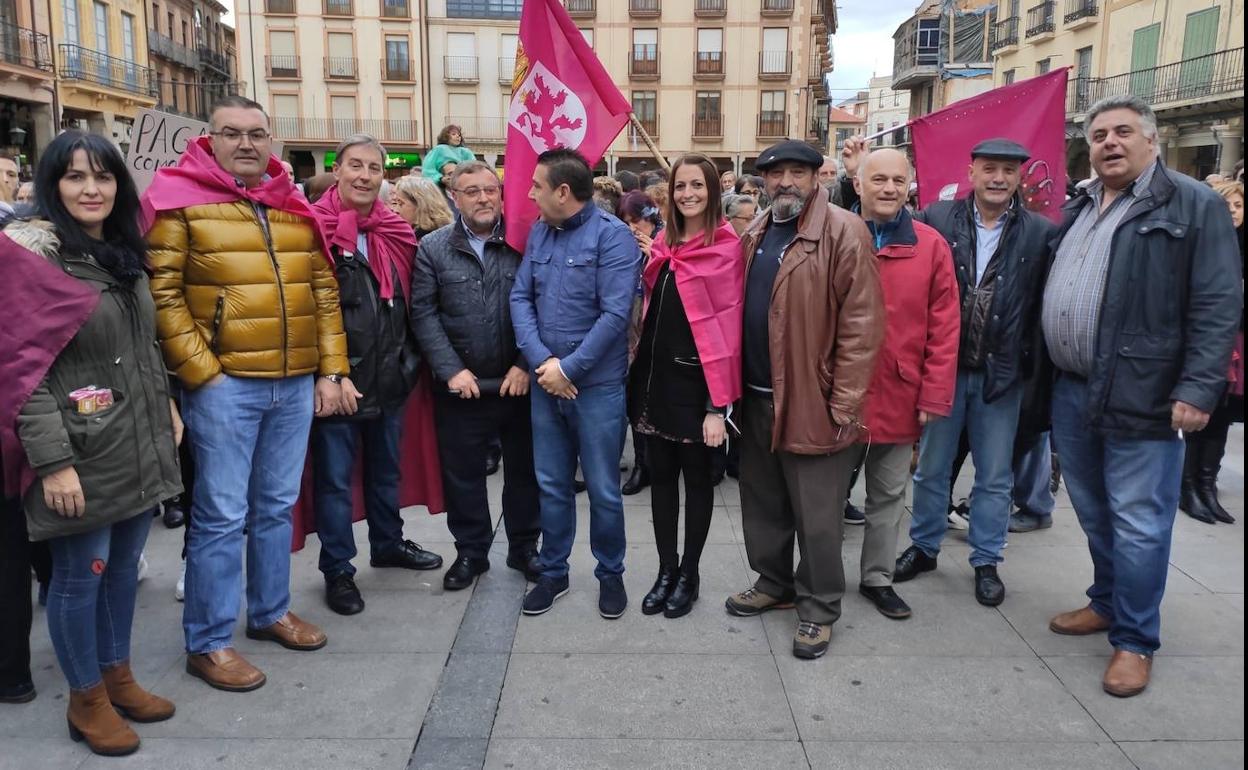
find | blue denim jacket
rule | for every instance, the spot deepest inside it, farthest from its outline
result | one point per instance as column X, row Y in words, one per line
column 574, row 294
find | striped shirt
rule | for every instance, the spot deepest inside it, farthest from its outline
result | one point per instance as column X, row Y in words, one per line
column 1076, row 285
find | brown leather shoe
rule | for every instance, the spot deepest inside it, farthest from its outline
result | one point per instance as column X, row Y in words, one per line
column 1127, row 673
column 1080, row 622
column 225, row 670
column 135, row 703
column 292, row 633
column 92, row 719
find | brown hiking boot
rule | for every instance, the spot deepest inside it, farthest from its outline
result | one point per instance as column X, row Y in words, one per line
column 1080, row 622
column 93, row 719
column 811, row 640
column 753, row 602
column 292, row 633
column 225, row 670
column 1127, row 674
column 135, row 703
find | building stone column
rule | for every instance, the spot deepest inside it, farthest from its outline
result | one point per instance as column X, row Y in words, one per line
column 1168, row 145
column 318, row 161
column 1231, row 144
column 44, row 125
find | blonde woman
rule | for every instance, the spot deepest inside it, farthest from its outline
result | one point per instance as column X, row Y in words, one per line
column 421, row 204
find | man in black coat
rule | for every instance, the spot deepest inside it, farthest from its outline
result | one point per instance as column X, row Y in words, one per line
column 1140, row 312
column 461, row 315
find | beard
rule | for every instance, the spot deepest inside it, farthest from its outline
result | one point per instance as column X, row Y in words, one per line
column 787, row 203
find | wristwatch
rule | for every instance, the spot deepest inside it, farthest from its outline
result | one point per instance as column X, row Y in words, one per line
column 334, row 378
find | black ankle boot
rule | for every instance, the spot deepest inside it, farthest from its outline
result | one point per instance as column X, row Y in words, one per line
column 681, row 600
column 1190, row 501
column 1207, row 480
column 638, row 480
column 663, row 584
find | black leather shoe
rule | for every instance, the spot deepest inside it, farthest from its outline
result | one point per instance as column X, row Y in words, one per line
column 342, row 596
column 681, row 600
column 18, row 693
column 1190, row 502
column 911, row 562
column 493, row 456
column 612, row 598
column 408, row 555
column 989, row 590
column 525, row 560
column 653, row 602
column 173, row 516
column 638, row 480
column 463, row 572
column 886, row 601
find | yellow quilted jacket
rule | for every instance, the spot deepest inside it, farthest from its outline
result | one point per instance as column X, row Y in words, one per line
column 231, row 297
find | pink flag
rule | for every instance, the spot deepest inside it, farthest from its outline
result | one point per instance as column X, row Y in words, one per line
column 1032, row 113
column 561, row 97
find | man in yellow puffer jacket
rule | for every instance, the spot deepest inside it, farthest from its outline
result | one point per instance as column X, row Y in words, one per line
column 247, row 315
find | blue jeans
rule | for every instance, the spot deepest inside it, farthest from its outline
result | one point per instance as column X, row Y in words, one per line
column 250, row 439
column 333, row 458
column 95, row 577
column 1033, row 477
column 991, row 429
column 1125, row 493
column 591, row 426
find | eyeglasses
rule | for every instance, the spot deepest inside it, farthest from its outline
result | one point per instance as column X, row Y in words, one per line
column 255, row 136
column 472, row 192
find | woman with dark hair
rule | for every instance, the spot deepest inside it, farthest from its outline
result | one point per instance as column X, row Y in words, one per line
column 687, row 372
column 92, row 413
column 449, row 149
column 645, row 220
column 751, row 185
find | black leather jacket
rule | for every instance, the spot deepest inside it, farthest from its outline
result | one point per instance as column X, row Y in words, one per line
column 1172, row 304
column 461, row 310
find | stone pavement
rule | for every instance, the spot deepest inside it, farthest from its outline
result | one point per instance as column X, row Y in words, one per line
column 427, row 679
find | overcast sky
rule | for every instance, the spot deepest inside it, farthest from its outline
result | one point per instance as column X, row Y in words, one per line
column 863, row 43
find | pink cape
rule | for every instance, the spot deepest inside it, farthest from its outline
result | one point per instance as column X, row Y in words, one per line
column 711, row 282
column 391, row 241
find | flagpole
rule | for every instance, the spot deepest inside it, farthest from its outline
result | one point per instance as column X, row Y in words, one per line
column 632, row 118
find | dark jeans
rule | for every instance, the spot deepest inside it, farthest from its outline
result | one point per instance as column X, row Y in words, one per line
column 466, row 429
column 95, row 577
column 334, row 446
column 17, row 556
column 667, row 462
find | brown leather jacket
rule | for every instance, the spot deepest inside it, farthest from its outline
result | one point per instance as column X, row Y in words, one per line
column 826, row 326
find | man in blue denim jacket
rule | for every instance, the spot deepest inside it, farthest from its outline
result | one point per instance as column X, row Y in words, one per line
column 570, row 308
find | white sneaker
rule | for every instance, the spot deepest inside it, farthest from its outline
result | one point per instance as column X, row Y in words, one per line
column 142, row 566
column 958, row 521
column 179, row 590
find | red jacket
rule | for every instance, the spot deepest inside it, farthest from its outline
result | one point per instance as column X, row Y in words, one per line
column 917, row 367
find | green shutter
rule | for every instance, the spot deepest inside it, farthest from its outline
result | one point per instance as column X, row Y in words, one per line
column 1199, row 39
column 1144, row 46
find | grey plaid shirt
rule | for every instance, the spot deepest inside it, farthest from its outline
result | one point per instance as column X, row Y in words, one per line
column 1076, row 286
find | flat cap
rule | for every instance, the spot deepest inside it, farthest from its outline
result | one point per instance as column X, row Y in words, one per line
column 789, row 150
column 1001, row 148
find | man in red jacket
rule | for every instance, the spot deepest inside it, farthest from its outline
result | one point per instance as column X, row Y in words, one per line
column 916, row 371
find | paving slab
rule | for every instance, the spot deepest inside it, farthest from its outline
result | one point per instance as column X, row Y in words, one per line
column 932, row 699
column 1166, row 755
column 596, row 754
column 717, row 697
column 1022, row 755
column 1216, row 563
column 20, row 753
column 1189, row 698
column 253, row 753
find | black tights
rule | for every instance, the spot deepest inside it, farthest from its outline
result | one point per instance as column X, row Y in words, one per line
column 667, row 461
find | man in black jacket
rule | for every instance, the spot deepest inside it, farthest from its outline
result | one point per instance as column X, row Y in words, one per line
column 1140, row 312
column 461, row 314
column 999, row 253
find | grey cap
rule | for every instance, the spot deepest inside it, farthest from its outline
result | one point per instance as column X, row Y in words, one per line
column 1000, row 148
column 789, row 150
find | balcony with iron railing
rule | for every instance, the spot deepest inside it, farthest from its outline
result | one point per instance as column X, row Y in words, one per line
column 506, row 70
column 708, row 126
column 337, row 7
column 581, row 9
column 651, row 126
column 1216, row 77
column 279, row 7
column 341, row 68
column 645, row 9
column 817, row 9
column 24, row 47
column 460, row 69
column 820, row 65
column 214, row 60
column 914, row 65
column 395, row 9
column 710, row 9
column 643, row 62
column 479, row 130
column 1005, row 35
column 708, row 65
column 88, row 66
column 1041, row 21
column 165, row 47
column 1080, row 13
column 776, row 7
column 773, row 125
column 775, row 65
column 334, row 129
column 282, row 67
column 395, row 70
column 817, row 132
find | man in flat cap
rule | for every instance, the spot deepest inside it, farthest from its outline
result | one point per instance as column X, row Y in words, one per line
column 814, row 321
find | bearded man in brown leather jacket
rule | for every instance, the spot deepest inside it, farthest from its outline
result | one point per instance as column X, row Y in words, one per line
column 814, row 320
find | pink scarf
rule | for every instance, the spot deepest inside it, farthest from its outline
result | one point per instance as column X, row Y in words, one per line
column 711, row 282
column 198, row 180
column 391, row 241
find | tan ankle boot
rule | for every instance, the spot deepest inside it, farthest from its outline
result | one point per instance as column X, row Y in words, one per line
column 93, row 719
column 133, row 701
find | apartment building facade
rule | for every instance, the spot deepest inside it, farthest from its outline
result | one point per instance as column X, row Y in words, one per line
column 192, row 52
column 26, row 80
column 942, row 54
column 887, row 108
column 1184, row 57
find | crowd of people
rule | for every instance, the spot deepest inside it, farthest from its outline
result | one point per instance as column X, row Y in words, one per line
column 230, row 341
